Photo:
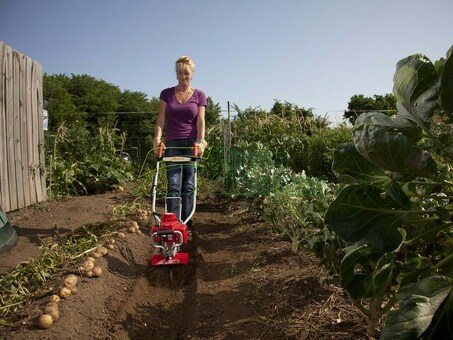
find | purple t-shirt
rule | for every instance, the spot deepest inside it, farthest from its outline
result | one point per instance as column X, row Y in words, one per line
column 181, row 119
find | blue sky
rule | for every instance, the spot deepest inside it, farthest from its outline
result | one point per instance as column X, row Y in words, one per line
column 316, row 54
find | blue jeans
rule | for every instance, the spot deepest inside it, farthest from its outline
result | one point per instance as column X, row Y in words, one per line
column 181, row 177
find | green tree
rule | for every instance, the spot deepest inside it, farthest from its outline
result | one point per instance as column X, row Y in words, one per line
column 305, row 117
column 212, row 114
column 97, row 98
column 136, row 113
column 58, row 102
column 136, row 118
column 360, row 104
column 289, row 110
column 131, row 101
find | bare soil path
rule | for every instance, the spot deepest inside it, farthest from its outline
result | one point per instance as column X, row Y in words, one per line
column 242, row 282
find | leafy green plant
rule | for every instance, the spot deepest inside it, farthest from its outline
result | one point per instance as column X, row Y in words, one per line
column 395, row 213
column 85, row 165
column 212, row 164
column 297, row 141
column 320, row 148
column 297, row 209
column 122, row 211
column 292, row 203
column 254, row 173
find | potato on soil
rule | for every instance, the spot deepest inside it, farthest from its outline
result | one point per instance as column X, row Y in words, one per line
column 70, row 281
column 121, row 235
column 88, row 274
column 54, row 298
column 110, row 246
column 51, row 305
column 45, row 321
column 86, row 266
column 142, row 212
column 96, row 255
column 97, row 271
column 102, row 250
column 143, row 216
column 64, row 292
column 53, row 312
column 134, row 227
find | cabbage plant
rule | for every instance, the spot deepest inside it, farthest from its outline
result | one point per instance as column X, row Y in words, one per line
column 395, row 212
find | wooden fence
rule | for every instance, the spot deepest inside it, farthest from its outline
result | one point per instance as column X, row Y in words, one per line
column 22, row 170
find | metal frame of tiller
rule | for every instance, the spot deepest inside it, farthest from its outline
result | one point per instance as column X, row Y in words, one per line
column 170, row 233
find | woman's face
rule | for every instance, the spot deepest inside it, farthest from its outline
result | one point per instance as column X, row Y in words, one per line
column 184, row 75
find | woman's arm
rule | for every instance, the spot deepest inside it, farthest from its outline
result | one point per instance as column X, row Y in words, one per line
column 201, row 125
column 159, row 128
column 201, row 129
column 160, row 122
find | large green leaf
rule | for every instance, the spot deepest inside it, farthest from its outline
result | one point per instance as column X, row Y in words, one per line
column 365, row 271
column 350, row 167
column 391, row 149
column 398, row 195
column 421, row 303
column 365, row 214
column 416, row 88
column 394, row 124
column 446, row 84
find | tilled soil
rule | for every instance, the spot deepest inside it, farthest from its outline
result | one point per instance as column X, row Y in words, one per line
column 242, row 282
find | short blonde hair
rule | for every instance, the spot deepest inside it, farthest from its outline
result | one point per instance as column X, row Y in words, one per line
column 185, row 61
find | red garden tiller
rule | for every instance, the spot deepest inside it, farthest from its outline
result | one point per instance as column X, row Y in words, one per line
column 170, row 233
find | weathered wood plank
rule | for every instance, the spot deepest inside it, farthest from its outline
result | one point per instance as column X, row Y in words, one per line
column 4, row 186
column 16, row 132
column 29, row 114
column 23, row 129
column 34, row 140
column 2, row 57
column 9, row 94
column 42, row 156
column 36, row 126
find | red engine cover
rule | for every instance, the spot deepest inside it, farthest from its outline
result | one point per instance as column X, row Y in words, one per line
column 170, row 222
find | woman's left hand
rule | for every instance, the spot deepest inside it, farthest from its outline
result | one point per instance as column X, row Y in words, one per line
column 201, row 144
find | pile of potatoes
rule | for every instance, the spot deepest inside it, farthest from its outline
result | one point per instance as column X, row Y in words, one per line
column 134, row 228
column 88, row 268
column 143, row 215
column 51, row 312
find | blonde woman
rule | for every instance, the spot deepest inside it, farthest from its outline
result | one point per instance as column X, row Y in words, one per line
column 182, row 116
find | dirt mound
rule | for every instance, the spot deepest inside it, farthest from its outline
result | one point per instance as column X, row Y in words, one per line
column 242, row 282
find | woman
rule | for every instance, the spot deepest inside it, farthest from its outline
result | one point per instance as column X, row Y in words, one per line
column 182, row 115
